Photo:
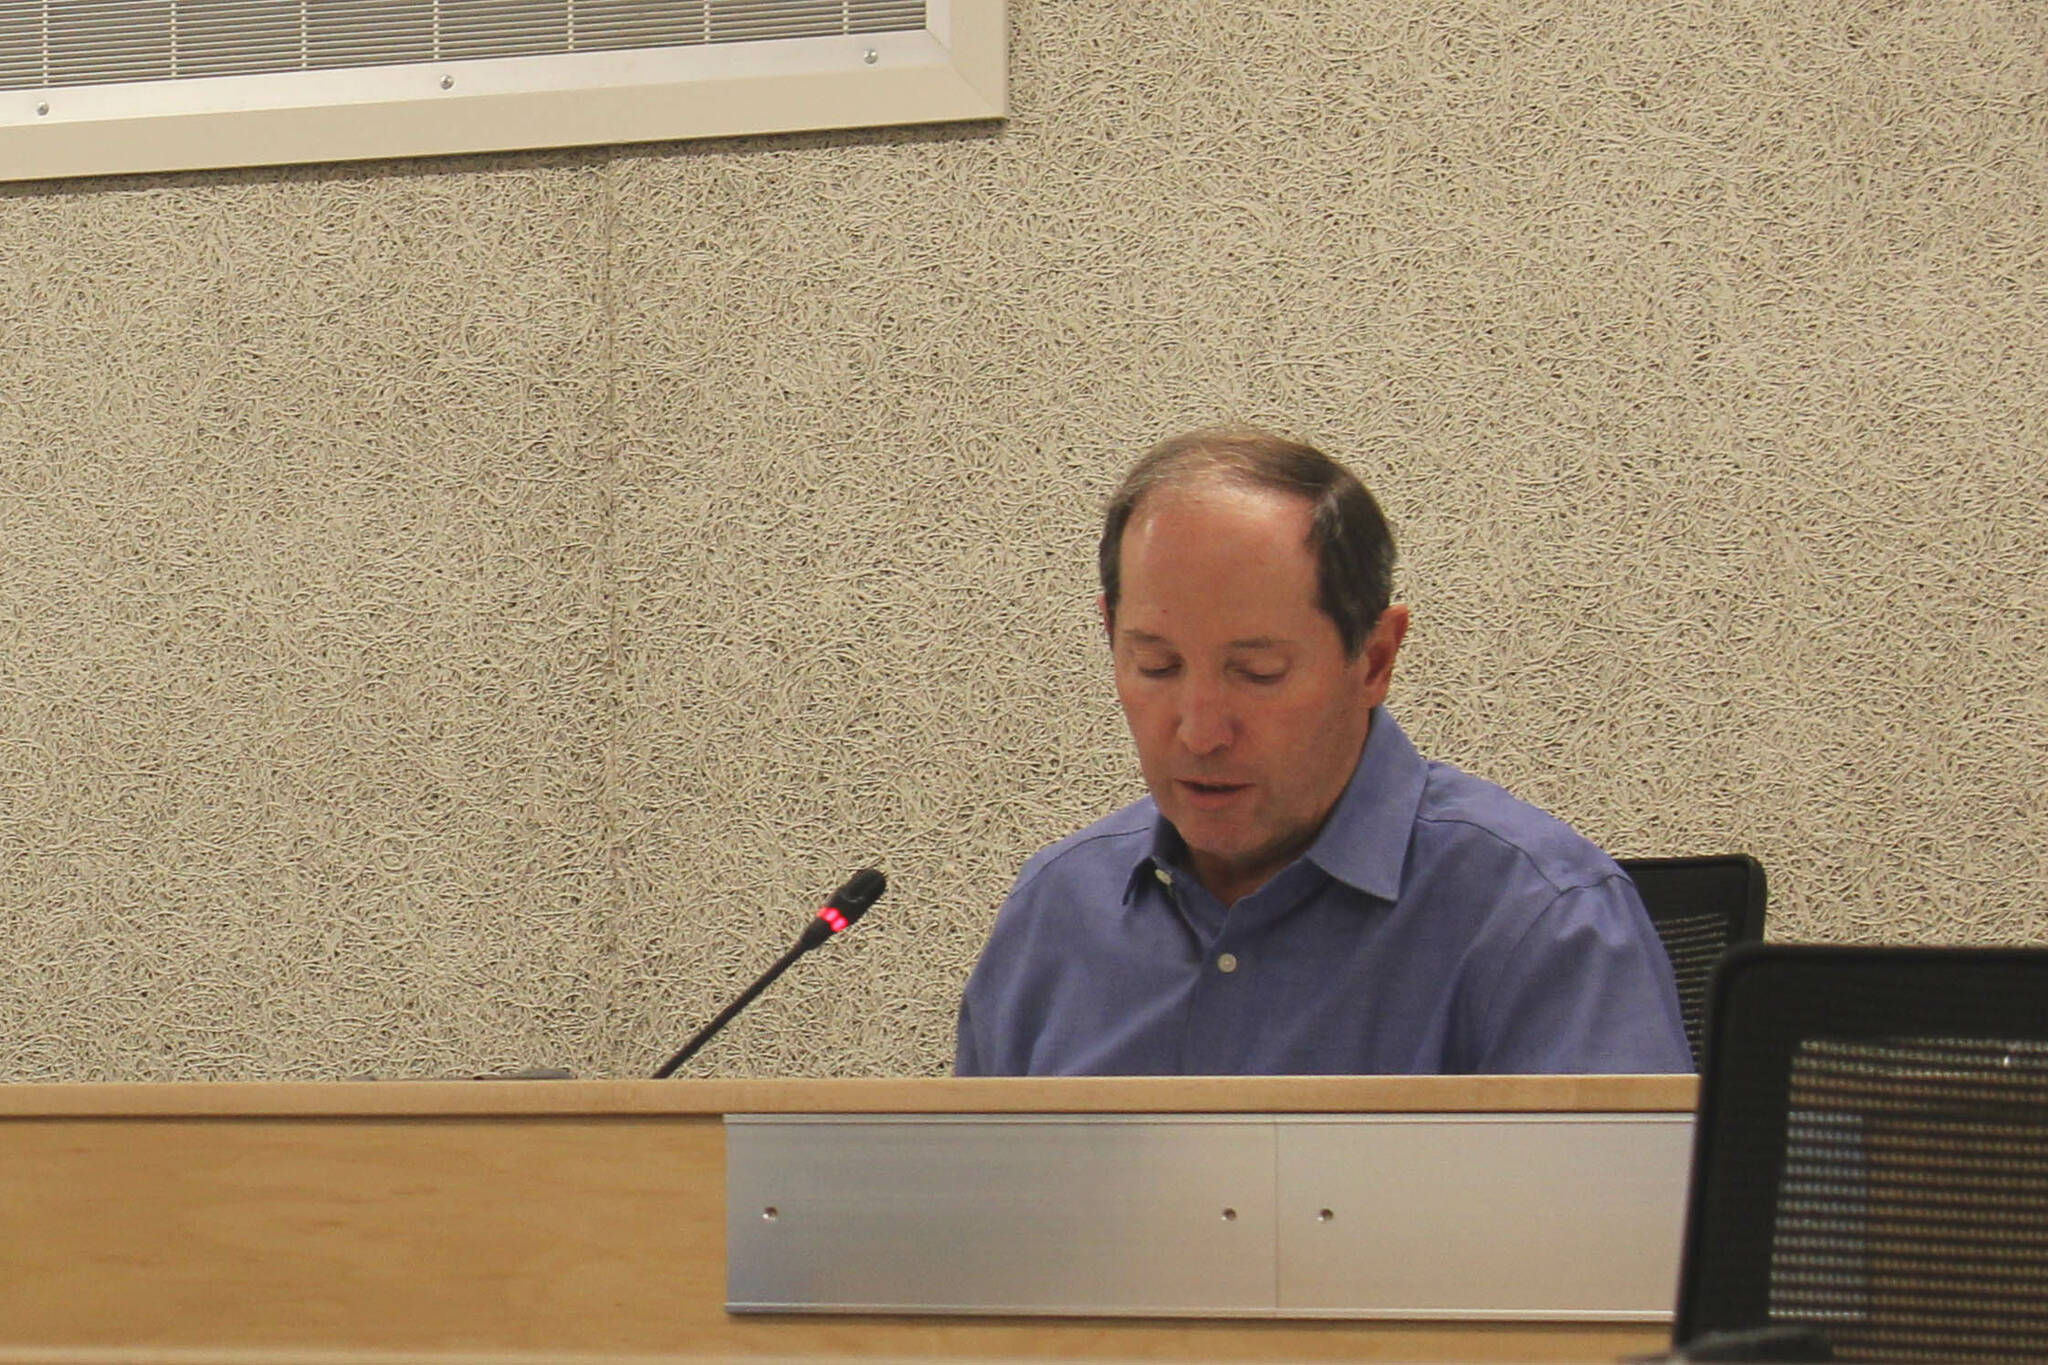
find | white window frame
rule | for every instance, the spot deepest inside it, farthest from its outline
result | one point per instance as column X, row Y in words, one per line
column 954, row 69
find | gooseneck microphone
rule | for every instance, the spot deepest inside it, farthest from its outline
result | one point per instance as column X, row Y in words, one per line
column 835, row 916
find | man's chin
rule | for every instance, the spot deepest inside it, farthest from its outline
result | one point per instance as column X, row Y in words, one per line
column 1233, row 850
column 1220, row 843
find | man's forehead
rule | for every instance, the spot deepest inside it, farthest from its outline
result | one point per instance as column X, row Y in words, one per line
column 1181, row 522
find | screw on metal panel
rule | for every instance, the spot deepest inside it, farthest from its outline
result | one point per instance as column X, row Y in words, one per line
column 447, row 82
column 42, row 109
column 770, row 1214
column 1230, row 1215
column 1325, row 1215
column 871, row 56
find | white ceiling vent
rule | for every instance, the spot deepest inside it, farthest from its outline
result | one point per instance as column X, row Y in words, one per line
column 90, row 87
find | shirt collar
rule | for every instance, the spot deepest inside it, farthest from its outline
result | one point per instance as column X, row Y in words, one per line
column 1161, row 855
column 1363, row 844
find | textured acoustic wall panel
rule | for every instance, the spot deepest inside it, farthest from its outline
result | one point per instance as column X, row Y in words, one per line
column 458, row 617
column 303, row 638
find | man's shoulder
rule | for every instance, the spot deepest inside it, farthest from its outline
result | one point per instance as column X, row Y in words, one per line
column 1109, row 847
column 1472, row 815
column 1064, row 887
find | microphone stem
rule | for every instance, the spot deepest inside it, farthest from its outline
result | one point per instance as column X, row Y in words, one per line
column 725, row 1015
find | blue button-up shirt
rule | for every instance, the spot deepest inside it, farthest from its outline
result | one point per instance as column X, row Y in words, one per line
column 1436, row 924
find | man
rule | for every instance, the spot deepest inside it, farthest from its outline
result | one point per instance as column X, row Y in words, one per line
column 1301, row 892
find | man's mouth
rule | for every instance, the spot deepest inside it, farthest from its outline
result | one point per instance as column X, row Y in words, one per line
column 1211, row 791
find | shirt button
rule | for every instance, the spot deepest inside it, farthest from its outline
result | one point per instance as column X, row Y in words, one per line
column 1165, row 877
column 1226, row 962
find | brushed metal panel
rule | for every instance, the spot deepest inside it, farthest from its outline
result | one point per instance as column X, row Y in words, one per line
column 1033, row 1214
column 1482, row 1216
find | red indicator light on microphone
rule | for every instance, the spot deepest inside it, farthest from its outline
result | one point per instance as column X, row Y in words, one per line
column 830, row 914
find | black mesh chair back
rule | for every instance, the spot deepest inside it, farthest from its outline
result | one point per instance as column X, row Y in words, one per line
column 1701, row 907
column 1871, row 1162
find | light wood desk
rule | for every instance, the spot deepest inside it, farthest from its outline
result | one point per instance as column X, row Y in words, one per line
column 578, row 1219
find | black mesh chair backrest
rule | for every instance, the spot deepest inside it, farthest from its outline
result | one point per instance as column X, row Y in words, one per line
column 1871, row 1161
column 1701, row 907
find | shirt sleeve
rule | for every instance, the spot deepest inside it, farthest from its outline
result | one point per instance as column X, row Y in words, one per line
column 1587, row 988
column 966, row 1050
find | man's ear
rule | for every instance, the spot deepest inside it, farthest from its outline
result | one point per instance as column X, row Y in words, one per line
column 1379, row 652
column 1102, row 610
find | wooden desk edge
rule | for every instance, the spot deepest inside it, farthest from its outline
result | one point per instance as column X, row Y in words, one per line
column 1070, row 1095
column 175, row 1355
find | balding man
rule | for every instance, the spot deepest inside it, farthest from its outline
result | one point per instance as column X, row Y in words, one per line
column 1301, row 892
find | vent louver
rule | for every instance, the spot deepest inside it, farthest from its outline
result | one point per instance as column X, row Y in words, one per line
column 54, row 44
column 92, row 87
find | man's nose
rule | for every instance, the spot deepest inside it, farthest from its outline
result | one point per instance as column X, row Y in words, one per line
column 1207, row 720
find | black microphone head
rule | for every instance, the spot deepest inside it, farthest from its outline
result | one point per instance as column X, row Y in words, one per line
column 845, row 905
column 861, row 890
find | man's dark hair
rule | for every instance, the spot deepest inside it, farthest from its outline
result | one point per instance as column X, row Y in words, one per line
column 1348, row 534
